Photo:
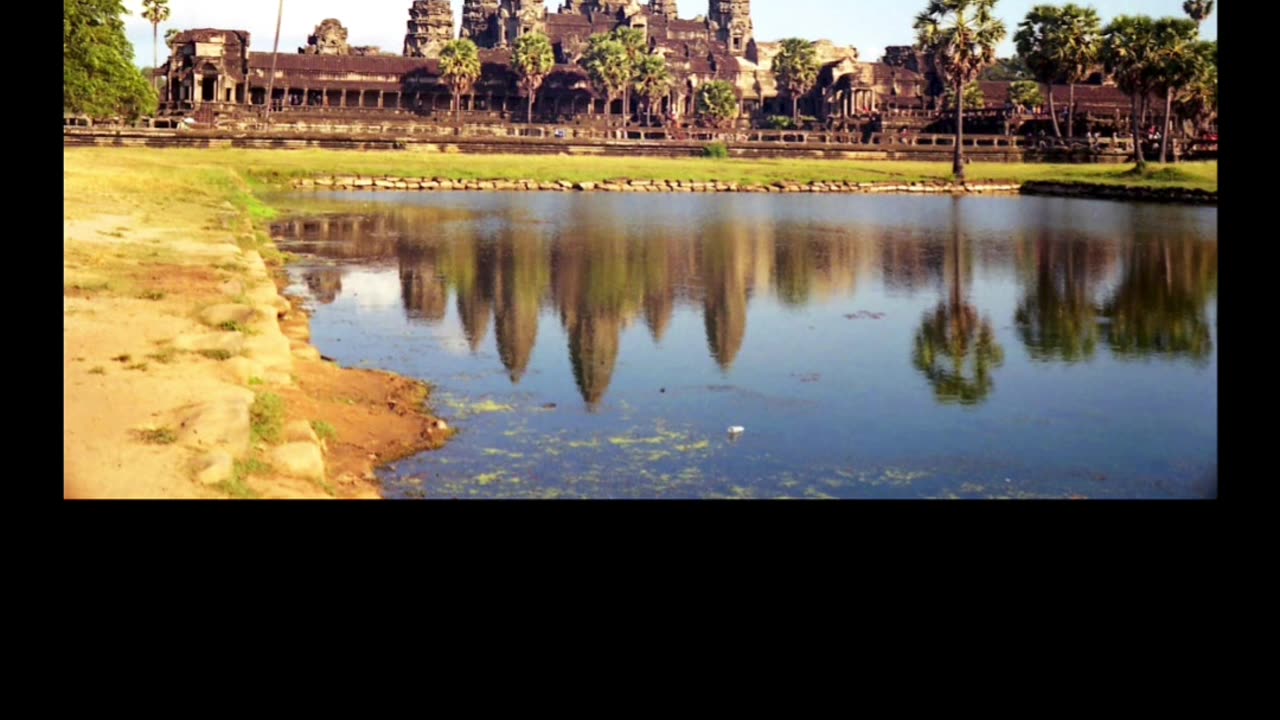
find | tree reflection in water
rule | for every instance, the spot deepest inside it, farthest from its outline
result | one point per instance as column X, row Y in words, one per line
column 1159, row 308
column 1139, row 298
column 954, row 349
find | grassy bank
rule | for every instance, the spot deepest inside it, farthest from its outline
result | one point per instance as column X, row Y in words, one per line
column 277, row 167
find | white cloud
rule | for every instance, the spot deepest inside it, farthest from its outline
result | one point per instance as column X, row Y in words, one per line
column 372, row 289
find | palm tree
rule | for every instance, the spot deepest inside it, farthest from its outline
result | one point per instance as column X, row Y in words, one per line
column 962, row 36
column 1060, row 44
column 633, row 41
column 275, row 53
column 1178, row 66
column 1198, row 10
column 606, row 62
column 953, row 331
column 1079, row 37
column 653, row 82
column 156, row 12
column 460, row 67
column 796, row 66
column 1037, row 45
column 1197, row 102
column 533, row 60
column 1130, row 52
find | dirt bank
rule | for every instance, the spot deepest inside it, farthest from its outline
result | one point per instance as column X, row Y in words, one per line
column 186, row 373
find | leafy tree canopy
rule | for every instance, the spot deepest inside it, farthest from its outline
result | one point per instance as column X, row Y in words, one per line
column 99, row 78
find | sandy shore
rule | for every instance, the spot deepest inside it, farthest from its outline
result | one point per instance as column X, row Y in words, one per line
column 186, row 374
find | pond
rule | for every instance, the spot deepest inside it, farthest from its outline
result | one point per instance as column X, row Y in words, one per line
column 604, row 345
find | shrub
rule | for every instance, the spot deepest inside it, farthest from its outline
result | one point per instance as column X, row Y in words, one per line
column 717, row 150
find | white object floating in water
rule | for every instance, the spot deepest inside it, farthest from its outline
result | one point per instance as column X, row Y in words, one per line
column 737, row 430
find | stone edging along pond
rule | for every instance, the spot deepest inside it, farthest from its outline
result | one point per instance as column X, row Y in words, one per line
column 1111, row 192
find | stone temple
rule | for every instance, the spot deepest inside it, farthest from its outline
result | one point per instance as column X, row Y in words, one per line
column 212, row 72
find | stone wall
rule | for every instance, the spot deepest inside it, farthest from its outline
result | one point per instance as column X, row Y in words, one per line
column 388, row 183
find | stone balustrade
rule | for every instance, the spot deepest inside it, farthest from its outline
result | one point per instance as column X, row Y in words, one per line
column 624, row 185
column 374, row 184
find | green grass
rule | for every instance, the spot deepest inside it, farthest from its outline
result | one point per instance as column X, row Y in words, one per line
column 164, row 357
column 716, row 151
column 219, row 355
column 267, row 170
column 243, row 469
column 158, row 436
column 233, row 326
column 89, row 286
column 324, row 430
column 267, row 418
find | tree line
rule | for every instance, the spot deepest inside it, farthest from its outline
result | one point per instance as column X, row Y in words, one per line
column 1065, row 44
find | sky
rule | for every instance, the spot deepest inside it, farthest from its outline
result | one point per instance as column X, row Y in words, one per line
column 868, row 25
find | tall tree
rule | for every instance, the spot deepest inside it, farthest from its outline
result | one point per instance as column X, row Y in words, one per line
column 1060, row 44
column 1178, row 65
column 955, row 348
column 606, row 62
column 533, row 60
column 1036, row 42
column 460, row 67
column 636, row 46
column 1198, row 10
column 796, row 67
column 1197, row 102
column 653, row 82
column 1079, row 37
column 717, row 102
column 1130, row 51
column 962, row 36
column 275, row 54
column 99, row 78
column 156, row 12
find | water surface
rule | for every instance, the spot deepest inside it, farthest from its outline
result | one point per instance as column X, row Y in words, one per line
column 600, row 345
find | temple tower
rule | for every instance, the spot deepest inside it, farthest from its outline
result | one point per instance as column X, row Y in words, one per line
column 520, row 17
column 430, row 27
column 666, row 8
column 611, row 7
column 480, row 21
column 731, row 24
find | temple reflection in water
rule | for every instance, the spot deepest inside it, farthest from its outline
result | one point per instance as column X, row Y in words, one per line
column 1078, row 293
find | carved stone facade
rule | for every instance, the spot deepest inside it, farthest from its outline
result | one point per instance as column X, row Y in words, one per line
column 430, row 27
column 480, row 21
column 215, row 66
column 329, row 38
column 665, row 8
column 521, row 17
column 907, row 56
column 731, row 24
